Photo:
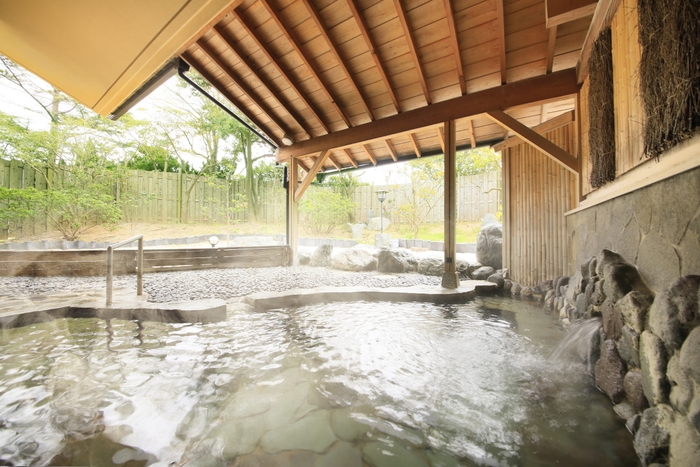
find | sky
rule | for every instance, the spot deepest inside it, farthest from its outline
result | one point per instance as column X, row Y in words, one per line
column 15, row 101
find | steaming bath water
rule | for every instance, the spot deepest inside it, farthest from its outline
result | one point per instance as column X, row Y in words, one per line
column 353, row 384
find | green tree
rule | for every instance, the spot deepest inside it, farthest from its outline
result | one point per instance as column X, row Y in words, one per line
column 426, row 192
column 323, row 210
column 477, row 161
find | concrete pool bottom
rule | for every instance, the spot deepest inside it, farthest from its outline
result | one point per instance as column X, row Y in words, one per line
column 31, row 309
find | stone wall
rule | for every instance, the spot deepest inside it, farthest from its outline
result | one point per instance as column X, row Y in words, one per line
column 656, row 227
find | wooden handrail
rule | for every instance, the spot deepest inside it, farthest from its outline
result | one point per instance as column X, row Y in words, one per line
column 139, row 266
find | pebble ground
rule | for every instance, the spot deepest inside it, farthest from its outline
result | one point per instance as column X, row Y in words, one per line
column 226, row 284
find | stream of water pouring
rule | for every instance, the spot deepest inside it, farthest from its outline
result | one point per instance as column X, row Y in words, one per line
column 575, row 346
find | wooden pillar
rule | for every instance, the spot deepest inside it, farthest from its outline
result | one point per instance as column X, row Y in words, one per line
column 293, row 211
column 450, row 279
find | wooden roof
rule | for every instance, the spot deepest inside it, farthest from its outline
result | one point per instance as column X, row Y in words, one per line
column 373, row 80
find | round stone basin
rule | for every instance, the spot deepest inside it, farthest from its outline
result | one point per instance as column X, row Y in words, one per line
column 341, row 384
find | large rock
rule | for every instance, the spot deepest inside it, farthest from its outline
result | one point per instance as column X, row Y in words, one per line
column 690, row 355
column 396, row 261
column 489, row 219
column 354, row 260
column 681, row 385
column 621, row 279
column 652, row 439
column 466, row 269
column 312, row 433
column 489, row 246
column 633, row 308
column 674, row 312
column 685, row 443
column 483, row 273
column 628, row 346
column 610, row 371
column 634, row 391
column 377, row 223
column 321, row 256
column 653, row 358
column 431, row 266
column 357, row 230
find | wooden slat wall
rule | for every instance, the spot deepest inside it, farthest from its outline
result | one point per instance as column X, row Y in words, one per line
column 583, row 115
column 540, row 191
column 629, row 113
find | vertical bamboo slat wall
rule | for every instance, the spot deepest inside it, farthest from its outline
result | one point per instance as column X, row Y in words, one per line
column 540, row 191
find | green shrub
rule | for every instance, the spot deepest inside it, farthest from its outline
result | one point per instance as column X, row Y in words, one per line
column 322, row 210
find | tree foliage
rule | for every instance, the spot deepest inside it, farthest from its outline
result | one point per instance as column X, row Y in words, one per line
column 323, row 210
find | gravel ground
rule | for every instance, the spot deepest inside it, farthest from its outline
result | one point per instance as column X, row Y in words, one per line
column 227, row 284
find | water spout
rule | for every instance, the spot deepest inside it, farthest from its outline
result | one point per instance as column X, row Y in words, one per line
column 580, row 345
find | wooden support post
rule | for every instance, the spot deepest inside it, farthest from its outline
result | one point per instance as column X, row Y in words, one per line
column 293, row 211
column 450, row 279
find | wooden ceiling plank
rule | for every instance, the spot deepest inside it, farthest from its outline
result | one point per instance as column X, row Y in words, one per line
column 242, row 85
column 501, row 25
column 316, row 17
column 273, row 60
column 313, row 68
column 373, row 51
column 540, row 88
column 231, row 98
column 566, row 11
column 414, row 143
column 456, row 51
column 551, row 44
column 472, row 135
column 352, row 159
column 408, row 34
column 254, row 71
column 311, row 174
column 542, row 128
column 538, row 141
column 368, row 151
column 604, row 13
column 441, row 138
column 391, row 149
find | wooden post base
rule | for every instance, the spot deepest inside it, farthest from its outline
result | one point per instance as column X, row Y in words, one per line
column 450, row 280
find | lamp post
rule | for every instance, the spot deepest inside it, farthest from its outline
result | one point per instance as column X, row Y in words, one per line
column 381, row 196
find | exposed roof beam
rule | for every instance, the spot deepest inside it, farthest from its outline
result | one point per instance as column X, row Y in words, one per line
column 275, row 14
column 551, row 43
column 373, row 51
column 242, row 85
column 311, row 174
column 414, row 143
column 441, row 138
column 538, row 141
column 540, row 88
column 352, row 159
column 368, row 151
column 542, row 128
column 252, row 33
column 391, row 149
column 450, row 15
column 604, row 13
column 543, row 113
column 243, row 57
column 501, row 25
column 231, row 98
column 334, row 162
column 408, row 34
column 326, row 35
column 472, row 135
column 565, row 11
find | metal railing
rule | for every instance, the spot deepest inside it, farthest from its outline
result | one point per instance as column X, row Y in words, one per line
column 139, row 266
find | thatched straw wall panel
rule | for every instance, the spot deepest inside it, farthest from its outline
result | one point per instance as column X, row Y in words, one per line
column 629, row 109
column 540, row 191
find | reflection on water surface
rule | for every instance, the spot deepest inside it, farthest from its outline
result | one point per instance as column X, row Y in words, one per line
column 352, row 384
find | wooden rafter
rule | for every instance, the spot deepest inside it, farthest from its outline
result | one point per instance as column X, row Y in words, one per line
column 326, row 35
column 368, row 151
column 408, row 33
column 450, row 15
column 242, row 85
column 252, row 33
column 542, row 128
column 414, row 143
column 334, row 162
column 604, row 13
column 391, row 149
column 472, row 135
column 551, row 43
column 540, row 88
column 543, row 112
column 441, row 137
column 538, row 141
column 243, row 57
column 373, row 51
column 565, row 11
column 313, row 68
column 311, row 174
column 231, row 98
column 352, row 159
column 501, row 25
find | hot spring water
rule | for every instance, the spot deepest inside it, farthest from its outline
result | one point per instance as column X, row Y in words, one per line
column 354, row 384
